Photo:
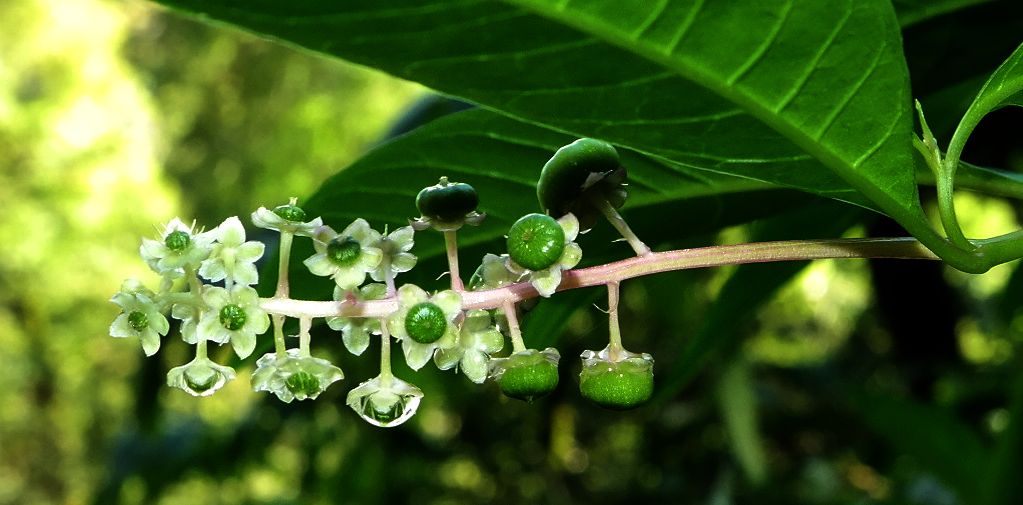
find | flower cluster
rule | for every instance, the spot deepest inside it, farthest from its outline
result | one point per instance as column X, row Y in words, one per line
column 208, row 279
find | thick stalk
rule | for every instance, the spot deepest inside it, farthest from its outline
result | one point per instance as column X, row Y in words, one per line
column 304, row 324
column 385, row 355
column 614, row 332
column 283, row 263
column 619, row 223
column 451, row 244
column 279, row 346
column 682, row 259
column 518, row 344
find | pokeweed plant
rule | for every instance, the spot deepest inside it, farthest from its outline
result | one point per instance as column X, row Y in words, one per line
column 701, row 99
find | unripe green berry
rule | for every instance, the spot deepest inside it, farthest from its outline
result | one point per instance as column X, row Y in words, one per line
column 447, row 201
column 528, row 375
column 536, row 241
column 303, row 383
column 177, row 240
column 386, row 407
column 138, row 320
column 425, row 323
column 343, row 251
column 201, row 378
column 232, row 317
column 618, row 385
column 290, row 212
column 584, row 170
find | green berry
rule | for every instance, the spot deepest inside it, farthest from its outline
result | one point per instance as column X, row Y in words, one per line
column 201, row 378
column 343, row 251
column 177, row 240
column 425, row 323
column 586, row 167
column 303, row 383
column 536, row 241
column 528, row 375
column 619, row 385
column 138, row 320
column 292, row 213
column 447, row 202
column 232, row 317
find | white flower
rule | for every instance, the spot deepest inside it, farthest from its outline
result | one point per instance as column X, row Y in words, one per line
column 477, row 340
column 231, row 256
column 385, row 401
column 395, row 247
column 200, row 377
column 233, row 316
column 347, row 256
column 355, row 331
column 286, row 218
column 140, row 316
column 493, row 273
column 179, row 247
column 424, row 323
column 294, row 375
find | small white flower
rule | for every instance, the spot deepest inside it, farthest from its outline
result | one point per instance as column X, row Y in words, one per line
column 200, row 377
column 234, row 317
column 179, row 247
column 294, row 375
column 424, row 323
column 385, row 401
column 286, row 218
column 395, row 247
column 140, row 316
column 347, row 256
column 355, row 331
column 477, row 340
column 493, row 273
column 231, row 256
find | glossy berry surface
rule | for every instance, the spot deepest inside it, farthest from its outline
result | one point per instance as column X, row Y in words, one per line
column 573, row 170
column 447, row 201
column 292, row 213
column 425, row 323
column 528, row 375
column 536, row 241
column 618, row 386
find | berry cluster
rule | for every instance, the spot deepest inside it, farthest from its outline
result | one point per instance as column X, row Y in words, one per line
column 207, row 278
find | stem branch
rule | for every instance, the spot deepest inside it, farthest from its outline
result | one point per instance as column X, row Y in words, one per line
column 518, row 344
column 451, row 244
column 619, row 223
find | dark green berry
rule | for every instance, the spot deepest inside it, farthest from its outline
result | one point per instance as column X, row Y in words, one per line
column 344, row 251
column 447, row 202
column 303, row 383
column 617, row 385
column 536, row 241
column 583, row 169
column 425, row 323
column 290, row 212
column 177, row 240
column 528, row 375
column 138, row 320
column 232, row 317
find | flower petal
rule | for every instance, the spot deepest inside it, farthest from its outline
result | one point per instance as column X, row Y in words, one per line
column 215, row 297
column 570, row 256
column 318, row 264
column 489, row 341
column 446, row 359
column 450, row 302
column 403, row 238
column 243, row 342
column 546, row 281
column 570, row 224
column 349, row 278
column 120, row 328
column 246, row 274
column 150, row 341
column 416, row 354
column 410, row 294
column 250, row 251
column 403, row 262
column 356, row 338
column 213, row 270
column 231, row 232
column 474, row 366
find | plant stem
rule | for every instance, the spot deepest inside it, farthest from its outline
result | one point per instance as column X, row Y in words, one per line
column 619, row 223
column 451, row 244
column 667, row 261
column 283, row 264
column 518, row 344
column 279, row 346
column 385, row 355
column 304, row 323
column 614, row 331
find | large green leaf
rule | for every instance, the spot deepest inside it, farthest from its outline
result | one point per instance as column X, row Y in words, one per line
column 774, row 91
column 501, row 158
column 1004, row 88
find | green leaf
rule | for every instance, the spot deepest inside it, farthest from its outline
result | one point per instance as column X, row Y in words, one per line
column 911, row 12
column 1002, row 89
column 745, row 88
column 736, row 397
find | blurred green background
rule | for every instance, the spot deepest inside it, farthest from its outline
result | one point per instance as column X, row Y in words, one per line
column 117, row 116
